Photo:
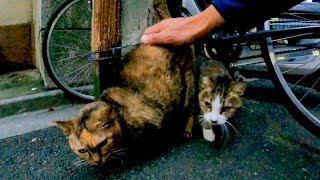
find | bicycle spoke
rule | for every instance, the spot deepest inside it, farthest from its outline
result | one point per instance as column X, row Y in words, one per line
column 306, row 75
column 316, row 107
column 70, row 63
column 86, row 80
column 309, row 90
column 84, row 67
column 69, row 48
column 85, row 74
column 69, row 37
column 287, row 71
column 293, row 36
column 80, row 56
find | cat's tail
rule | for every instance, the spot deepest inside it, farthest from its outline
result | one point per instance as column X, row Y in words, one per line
column 161, row 10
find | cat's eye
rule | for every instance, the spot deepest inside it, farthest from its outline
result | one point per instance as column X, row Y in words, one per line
column 207, row 104
column 107, row 125
column 224, row 109
column 103, row 143
column 82, row 151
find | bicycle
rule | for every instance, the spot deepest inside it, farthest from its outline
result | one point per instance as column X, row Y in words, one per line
column 286, row 47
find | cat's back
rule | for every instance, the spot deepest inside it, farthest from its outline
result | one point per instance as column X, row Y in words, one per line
column 157, row 71
column 147, row 59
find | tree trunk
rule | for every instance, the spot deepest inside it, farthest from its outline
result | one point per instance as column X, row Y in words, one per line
column 105, row 35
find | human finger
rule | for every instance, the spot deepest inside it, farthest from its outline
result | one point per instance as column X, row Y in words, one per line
column 155, row 28
column 154, row 39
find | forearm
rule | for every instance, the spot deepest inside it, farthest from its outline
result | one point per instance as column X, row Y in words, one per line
column 245, row 14
column 206, row 21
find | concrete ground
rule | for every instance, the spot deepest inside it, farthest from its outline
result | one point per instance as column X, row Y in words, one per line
column 269, row 144
column 24, row 91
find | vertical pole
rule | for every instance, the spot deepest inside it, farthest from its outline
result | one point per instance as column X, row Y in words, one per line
column 105, row 35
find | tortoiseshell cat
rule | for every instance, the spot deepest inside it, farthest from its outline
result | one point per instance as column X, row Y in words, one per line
column 156, row 92
column 219, row 96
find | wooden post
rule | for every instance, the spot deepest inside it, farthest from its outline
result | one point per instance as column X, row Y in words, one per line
column 105, row 35
column 136, row 16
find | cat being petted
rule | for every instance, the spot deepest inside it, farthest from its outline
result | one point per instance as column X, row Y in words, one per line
column 155, row 96
column 219, row 96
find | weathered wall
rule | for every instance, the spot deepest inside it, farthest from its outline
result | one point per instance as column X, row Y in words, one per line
column 136, row 16
column 15, row 43
column 15, row 12
column 15, row 31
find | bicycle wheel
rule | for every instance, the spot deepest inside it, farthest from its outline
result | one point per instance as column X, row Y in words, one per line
column 66, row 44
column 294, row 62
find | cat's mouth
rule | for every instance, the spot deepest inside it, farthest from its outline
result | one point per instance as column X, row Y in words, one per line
column 215, row 119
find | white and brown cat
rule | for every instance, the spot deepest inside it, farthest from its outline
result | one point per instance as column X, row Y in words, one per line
column 219, row 96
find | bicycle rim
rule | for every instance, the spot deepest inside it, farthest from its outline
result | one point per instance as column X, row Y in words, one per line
column 294, row 62
column 65, row 47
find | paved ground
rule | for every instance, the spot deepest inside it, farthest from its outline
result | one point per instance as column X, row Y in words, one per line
column 24, row 91
column 37, row 120
column 269, row 144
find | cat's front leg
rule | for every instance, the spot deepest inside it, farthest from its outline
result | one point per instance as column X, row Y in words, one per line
column 207, row 131
column 209, row 135
column 189, row 128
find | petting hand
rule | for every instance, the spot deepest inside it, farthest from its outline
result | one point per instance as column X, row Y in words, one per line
column 174, row 31
column 183, row 31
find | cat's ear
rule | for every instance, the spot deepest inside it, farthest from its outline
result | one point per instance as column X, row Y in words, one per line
column 238, row 87
column 238, row 77
column 207, row 81
column 66, row 126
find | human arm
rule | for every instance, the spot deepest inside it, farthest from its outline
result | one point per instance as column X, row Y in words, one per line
column 181, row 31
column 240, row 15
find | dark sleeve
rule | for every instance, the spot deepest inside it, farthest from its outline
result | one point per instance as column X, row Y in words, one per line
column 246, row 14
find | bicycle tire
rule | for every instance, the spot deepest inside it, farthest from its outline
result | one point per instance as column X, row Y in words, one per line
column 66, row 42
column 294, row 93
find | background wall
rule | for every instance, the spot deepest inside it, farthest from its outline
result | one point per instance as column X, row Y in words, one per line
column 15, row 12
column 15, row 34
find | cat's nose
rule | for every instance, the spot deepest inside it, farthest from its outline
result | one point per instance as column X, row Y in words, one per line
column 214, row 117
column 96, row 159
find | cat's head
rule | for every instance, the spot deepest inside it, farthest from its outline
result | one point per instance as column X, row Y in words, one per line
column 219, row 98
column 94, row 134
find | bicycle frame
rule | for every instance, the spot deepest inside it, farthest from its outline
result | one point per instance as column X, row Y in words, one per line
column 263, row 34
column 259, row 37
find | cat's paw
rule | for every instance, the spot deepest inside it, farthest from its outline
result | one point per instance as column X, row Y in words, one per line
column 187, row 135
column 209, row 135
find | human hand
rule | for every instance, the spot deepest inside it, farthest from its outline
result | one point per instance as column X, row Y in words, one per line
column 173, row 31
column 183, row 31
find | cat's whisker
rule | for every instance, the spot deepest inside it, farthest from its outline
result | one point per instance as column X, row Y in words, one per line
column 232, row 126
column 119, row 149
column 226, row 131
column 200, row 117
column 119, row 152
column 200, row 120
column 223, row 131
column 114, row 157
